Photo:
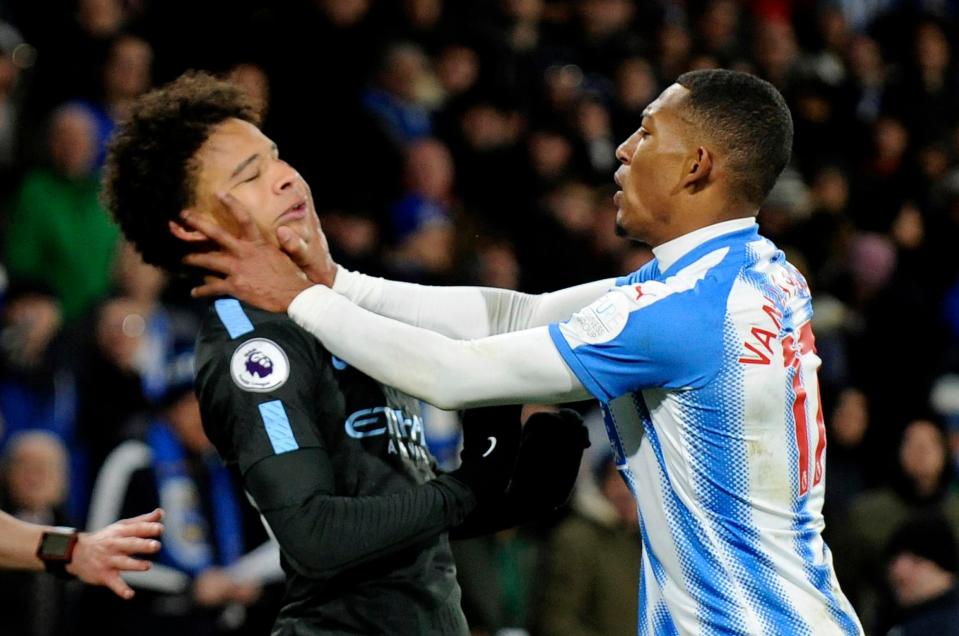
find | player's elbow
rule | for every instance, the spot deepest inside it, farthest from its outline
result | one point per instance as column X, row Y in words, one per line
column 302, row 562
column 305, row 551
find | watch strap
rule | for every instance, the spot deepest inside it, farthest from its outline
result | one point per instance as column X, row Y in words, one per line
column 56, row 563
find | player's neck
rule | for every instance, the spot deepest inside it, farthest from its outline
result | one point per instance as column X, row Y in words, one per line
column 671, row 251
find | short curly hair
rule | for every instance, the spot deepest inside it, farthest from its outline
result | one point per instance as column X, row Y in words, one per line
column 151, row 174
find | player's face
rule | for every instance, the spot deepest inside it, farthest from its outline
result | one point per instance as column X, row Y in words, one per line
column 238, row 159
column 653, row 166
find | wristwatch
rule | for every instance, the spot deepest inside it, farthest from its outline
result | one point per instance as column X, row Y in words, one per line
column 56, row 550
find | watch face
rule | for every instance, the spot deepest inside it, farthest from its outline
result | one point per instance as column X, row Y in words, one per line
column 55, row 545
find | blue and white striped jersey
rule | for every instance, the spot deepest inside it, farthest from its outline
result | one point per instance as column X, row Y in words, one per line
column 706, row 370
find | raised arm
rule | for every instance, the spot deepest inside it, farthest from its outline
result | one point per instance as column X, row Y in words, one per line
column 465, row 312
column 516, row 367
column 522, row 366
column 457, row 312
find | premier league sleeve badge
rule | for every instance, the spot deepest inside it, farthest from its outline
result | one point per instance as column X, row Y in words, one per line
column 259, row 365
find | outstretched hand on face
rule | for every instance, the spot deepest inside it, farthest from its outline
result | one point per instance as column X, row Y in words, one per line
column 246, row 266
column 311, row 253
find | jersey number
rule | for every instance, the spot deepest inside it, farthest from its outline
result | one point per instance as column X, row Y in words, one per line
column 791, row 355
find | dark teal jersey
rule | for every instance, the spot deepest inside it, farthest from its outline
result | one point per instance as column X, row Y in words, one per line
column 337, row 464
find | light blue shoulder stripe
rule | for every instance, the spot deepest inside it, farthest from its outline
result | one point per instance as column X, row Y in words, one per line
column 278, row 427
column 233, row 317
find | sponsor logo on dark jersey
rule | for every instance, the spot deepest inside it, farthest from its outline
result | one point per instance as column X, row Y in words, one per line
column 405, row 431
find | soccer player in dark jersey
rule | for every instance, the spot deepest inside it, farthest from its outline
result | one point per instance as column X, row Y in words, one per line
column 335, row 461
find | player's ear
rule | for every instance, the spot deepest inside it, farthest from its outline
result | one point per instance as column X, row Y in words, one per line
column 697, row 169
column 185, row 233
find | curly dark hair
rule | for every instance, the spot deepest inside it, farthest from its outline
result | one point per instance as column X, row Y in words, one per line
column 750, row 119
column 151, row 174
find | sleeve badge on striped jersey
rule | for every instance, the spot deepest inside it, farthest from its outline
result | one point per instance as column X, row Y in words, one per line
column 259, row 365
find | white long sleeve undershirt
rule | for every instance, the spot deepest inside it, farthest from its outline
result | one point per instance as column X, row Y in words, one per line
column 465, row 312
column 522, row 366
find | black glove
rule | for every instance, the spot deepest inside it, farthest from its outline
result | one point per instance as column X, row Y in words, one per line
column 550, row 453
column 491, row 439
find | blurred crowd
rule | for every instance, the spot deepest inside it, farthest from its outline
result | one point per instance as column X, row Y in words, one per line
column 472, row 142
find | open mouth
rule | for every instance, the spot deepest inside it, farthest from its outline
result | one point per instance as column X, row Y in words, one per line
column 294, row 212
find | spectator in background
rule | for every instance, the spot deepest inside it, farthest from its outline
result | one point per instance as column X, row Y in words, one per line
column 592, row 564
column 777, row 54
column 126, row 75
column 923, row 477
column 216, row 557
column 824, row 236
column 595, row 131
column 457, row 70
column 422, row 220
column 552, row 159
column 825, row 62
column 849, row 423
column 34, row 388
column 421, row 20
column 34, row 479
column 396, row 97
column 636, row 87
column 168, row 331
column 718, row 31
column 868, row 78
column 564, row 225
column 10, row 107
column 37, row 383
column 928, row 95
column 429, row 175
column 498, row 575
column 73, row 41
column 944, row 399
column 59, row 234
column 886, row 177
column 355, row 238
column 922, row 570
column 605, row 34
column 674, row 49
column 487, row 149
column 109, row 386
column 423, row 242
column 562, row 88
column 518, row 31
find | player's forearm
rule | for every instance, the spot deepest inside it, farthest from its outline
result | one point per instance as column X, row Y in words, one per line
column 464, row 312
column 457, row 312
column 451, row 374
column 324, row 535
column 18, row 543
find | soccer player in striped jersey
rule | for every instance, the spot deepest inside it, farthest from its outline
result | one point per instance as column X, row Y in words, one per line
column 703, row 360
